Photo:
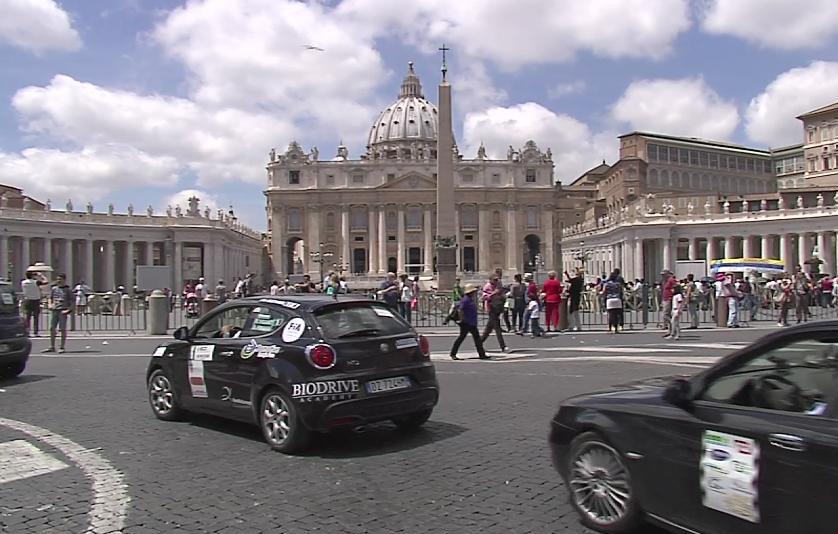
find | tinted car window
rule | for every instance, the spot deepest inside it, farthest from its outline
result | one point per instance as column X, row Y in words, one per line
column 359, row 319
column 798, row 377
column 7, row 300
column 228, row 323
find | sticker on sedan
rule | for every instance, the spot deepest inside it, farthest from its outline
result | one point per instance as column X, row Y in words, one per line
column 325, row 390
column 383, row 312
column 729, row 473
column 196, row 379
column 201, row 352
column 293, row 330
column 158, row 352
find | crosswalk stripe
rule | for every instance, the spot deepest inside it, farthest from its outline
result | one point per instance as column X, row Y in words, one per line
column 19, row 459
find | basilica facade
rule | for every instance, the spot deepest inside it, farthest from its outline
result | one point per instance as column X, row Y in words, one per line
column 375, row 214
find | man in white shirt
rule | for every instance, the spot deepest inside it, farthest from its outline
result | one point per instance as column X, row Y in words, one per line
column 201, row 289
column 30, row 287
column 275, row 288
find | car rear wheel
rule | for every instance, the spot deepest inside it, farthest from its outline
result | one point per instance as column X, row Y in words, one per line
column 13, row 370
column 162, row 398
column 412, row 421
column 281, row 424
column 600, row 486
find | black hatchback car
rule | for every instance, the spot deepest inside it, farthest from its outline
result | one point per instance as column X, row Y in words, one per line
column 750, row 445
column 14, row 343
column 296, row 365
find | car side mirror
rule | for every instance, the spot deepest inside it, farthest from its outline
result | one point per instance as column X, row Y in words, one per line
column 182, row 333
column 678, row 393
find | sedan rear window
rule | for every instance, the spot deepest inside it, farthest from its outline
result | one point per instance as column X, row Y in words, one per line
column 360, row 320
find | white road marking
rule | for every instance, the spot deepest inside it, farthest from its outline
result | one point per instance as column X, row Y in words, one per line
column 19, row 460
column 660, row 360
column 109, row 506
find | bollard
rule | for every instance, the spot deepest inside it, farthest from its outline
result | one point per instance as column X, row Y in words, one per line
column 721, row 312
column 564, row 324
column 207, row 304
column 126, row 305
column 158, row 313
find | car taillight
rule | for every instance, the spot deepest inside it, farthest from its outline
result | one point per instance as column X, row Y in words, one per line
column 425, row 346
column 321, row 356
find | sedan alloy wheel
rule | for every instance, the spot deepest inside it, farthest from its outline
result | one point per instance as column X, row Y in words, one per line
column 280, row 424
column 161, row 397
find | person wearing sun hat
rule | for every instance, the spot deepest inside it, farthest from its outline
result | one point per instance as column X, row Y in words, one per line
column 467, row 311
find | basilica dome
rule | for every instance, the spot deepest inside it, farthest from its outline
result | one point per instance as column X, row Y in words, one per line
column 410, row 119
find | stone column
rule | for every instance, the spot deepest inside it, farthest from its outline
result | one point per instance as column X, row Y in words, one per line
column 825, row 253
column 458, row 232
column 512, row 239
column 549, row 240
column 483, row 249
column 382, row 239
column 804, row 249
column 372, row 247
column 129, row 264
column 4, row 257
column 177, row 258
column 24, row 254
column 785, row 252
column 310, row 245
column 401, row 240
column 711, row 251
column 668, row 256
column 428, row 253
column 278, row 249
column 48, row 259
column 344, row 240
column 149, row 253
column 729, row 252
column 88, row 255
column 765, row 248
column 108, row 253
column 638, row 259
column 748, row 248
column 68, row 261
column 693, row 249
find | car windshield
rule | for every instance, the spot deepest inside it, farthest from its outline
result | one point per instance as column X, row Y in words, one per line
column 359, row 320
column 7, row 300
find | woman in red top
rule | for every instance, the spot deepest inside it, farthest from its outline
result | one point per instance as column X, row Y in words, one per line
column 552, row 298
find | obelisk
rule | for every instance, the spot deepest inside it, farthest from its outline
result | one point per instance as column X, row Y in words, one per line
column 446, row 233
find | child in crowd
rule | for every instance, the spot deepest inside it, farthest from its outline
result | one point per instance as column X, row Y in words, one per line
column 533, row 311
column 677, row 309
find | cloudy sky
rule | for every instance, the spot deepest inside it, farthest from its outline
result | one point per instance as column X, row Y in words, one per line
column 148, row 101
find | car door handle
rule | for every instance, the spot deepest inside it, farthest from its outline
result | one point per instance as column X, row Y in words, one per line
column 226, row 353
column 787, row 442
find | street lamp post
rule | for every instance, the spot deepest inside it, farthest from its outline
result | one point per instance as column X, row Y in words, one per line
column 320, row 257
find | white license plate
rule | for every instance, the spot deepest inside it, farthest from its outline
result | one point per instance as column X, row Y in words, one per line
column 388, row 384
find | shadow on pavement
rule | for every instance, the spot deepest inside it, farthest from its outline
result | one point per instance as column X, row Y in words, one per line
column 24, row 379
column 378, row 438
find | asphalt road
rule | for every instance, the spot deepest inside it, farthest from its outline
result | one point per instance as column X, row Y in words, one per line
column 80, row 449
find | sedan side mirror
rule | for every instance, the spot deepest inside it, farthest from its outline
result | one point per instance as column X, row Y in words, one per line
column 182, row 333
column 678, row 393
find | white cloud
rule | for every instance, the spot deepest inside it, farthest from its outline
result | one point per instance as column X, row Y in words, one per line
column 528, row 31
column 687, row 107
column 575, row 149
column 565, row 89
column 770, row 117
column 181, row 198
column 84, row 175
column 37, row 26
column 474, row 89
column 774, row 23
column 217, row 144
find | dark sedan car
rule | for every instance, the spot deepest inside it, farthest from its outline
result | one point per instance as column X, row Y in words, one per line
column 749, row 445
column 14, row 343
column 295, row 365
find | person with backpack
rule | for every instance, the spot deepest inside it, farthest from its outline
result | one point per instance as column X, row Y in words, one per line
column 467, row 320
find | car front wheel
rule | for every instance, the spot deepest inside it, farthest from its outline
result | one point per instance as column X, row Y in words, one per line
column 281, row 424
column 162, row 398
column 600, row 486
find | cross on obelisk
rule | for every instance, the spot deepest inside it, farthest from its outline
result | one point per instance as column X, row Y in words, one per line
column 446, row 233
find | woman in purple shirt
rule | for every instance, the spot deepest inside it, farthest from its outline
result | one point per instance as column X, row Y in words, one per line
column 468, row 324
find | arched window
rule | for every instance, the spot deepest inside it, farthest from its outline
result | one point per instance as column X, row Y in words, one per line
column 330, row 221
column 358, row 218
column 496, row 220
column 468, row 217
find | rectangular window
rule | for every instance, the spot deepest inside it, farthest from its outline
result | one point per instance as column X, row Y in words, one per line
column 826, row 163
column 684, row 156
column 357, row 178
column 294, row 177
column 358, row 219
column 414, row 219
column 467, row 177
column 702, row 159
column 811, row 136
column 663, row 154
column 468, row 217
column 693, row 157
column 530, row 176
column 652, row 151
column 740, row 163
column 469, row 264
column 532, row 217
column 391, row 177
column 750, row 165
column 714, row 161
